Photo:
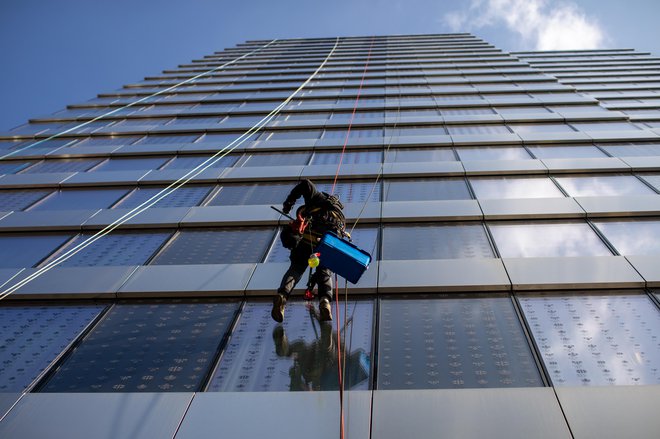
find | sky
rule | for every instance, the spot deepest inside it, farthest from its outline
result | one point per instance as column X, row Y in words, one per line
column 59, row 52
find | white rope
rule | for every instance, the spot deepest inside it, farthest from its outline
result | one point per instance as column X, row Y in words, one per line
column 166, row 191
column 139, row 101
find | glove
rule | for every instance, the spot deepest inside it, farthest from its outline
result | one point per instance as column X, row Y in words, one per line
column 286, row 206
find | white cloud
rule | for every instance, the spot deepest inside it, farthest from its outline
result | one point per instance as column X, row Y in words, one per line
column 540, row 24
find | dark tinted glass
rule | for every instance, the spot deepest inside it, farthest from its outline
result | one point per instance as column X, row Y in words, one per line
column 31, row 337
column 22, row 250
column 216, row 246
column 136, row 164
column 155, row 346
column 186, row 196
column 10, row 167
column 349, row 158
column 298, row 355
column 20, row 199
column 278, row 159
column 249, row 194
column 73, row 199
column 72, row 165
column 451, row 342
column 190, row 162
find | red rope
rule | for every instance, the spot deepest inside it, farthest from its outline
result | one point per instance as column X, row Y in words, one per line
column 339, row 371
column 350, row 122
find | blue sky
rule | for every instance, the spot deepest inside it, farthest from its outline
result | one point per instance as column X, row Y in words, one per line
column 58, row 52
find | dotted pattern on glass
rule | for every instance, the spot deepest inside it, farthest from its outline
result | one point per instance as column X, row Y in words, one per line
column 298, row 355
column 80, row 199
column 453, row 343
column 23, row 250
column 277, row 159
column 435, row 241
column 365, row 238
column 187, row 196
column 73, row 165
column 423, row 189
column 20, row 199
column 115, row 249
column 134, row 164
column 403, row 155
column 154, row 346
column 596, row 340
column 216, row 246
column 191, row 162
column 350, row 158
column 352, row 192
column 251, row 194
column 31, row 337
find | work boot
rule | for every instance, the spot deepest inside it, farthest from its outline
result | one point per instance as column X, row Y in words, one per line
column 325, row 311
column 277, row 313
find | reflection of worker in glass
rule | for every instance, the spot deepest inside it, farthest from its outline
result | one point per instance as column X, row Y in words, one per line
column 315, row 363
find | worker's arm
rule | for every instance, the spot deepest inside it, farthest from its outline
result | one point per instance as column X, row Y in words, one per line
column 305, row 189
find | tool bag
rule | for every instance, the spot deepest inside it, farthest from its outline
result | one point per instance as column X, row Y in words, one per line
column 342, row 257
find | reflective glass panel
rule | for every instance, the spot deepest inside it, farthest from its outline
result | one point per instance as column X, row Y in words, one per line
column 250, row 194
column 224, row 139
column 10, row 167
column 278, row 159
column 188, row 163
column 353, row 192
column 541, row 128
column 80, row 199
column 642, row 150
column 653, row 179
column 31, row 337
column 596, row 340
column 134, row 164
column 530, row 240
column 186, row 196
column 604, row 126
column 514, row 187
column 349, row 157
column 603, row 185
column 636, row 237
column 477, row 129
column 26, row 250
column 216, row 246
column 107, row 141
column 64, row 165
column 452, row 342
column 169, row 140
column 115, row 249
column 435, row 241
column 297, row 355
column 295, row 134
column 426, row 189
column 147, row 346
column 493, row 153
column 20, row 199
column 566, row 152
column 402, row 155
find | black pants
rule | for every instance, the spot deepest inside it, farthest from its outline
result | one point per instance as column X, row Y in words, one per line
column 297, row 269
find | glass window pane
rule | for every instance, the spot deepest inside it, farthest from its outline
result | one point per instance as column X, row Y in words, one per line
column 465, row 111
column 115, row 249
column 603, row 185
column 79, row 199
column 477, row 129
column 604, row 126
column 277, row 159
column 169, row 140
column 147, row 346
column 349, row 158
column 353, row 192
column 596, row 340
column 514, row 187
column 403, row 155
column 636, row 237
column 216, row 246
column 11, row 167
column 27, row 250
column 295, row 134
column 298, row 355
column 224, row 139
column 187, row 196
column 541, row 128
column 134, row 164
column 107, row 141
column 531, row 240
column 561, row 152
column 653, row 179
column 493, row 153
column 188, row 163
column 426, row 189
column 65, row 165
column 20, row 199
column 641, row 150
column 355, row 133
column 453, row 342
column 31, row 338
column 416, row 131
column 435, row 241
column 251, row 194
column 507, row 111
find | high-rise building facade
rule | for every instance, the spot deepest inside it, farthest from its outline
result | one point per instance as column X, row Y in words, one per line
column 510, row 202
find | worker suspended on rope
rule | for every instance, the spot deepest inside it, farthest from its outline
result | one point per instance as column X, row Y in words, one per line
column 321, row 213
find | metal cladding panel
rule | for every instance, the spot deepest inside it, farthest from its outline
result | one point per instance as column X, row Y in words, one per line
column 253, row 415
column 99, row 416
column 596, row 339
column 298, row 355
column 147, row 346
column 611, row 412
column 519, row 413
column 32, row 337
column 453, row 342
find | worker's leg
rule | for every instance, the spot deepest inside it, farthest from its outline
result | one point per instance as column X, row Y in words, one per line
column 295, row 272
column 324, row 281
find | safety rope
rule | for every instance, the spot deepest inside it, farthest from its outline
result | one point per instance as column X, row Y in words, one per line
column 339, row 362
column 217, row 156
column 139, row 101
column 350, row 122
